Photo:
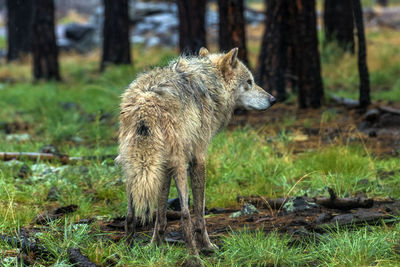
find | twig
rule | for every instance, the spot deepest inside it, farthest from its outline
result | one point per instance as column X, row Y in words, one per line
column 35, row 156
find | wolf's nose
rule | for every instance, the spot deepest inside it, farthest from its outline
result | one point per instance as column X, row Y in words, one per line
column 272, row 100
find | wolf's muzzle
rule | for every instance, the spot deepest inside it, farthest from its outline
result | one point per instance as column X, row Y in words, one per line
column 272, row 100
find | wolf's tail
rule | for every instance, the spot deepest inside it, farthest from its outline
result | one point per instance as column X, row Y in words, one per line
column 143, row 161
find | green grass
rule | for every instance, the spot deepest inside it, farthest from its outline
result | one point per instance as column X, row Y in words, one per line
column 80, row 116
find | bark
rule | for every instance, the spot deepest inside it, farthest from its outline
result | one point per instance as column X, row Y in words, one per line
column 305, row 42
column 345, row 203
column 45, row 51
column 232, row 27
column 273, row 58
column 192, row 31
column 339, row 23
column 77, row 259
column 364, row 98
column 19, row 31
column 116, row 45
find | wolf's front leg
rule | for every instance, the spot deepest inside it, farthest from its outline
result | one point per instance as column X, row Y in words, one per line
column 197, row 170
column 161, row 217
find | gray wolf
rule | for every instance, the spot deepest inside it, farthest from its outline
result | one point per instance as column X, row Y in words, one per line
column 168, row 117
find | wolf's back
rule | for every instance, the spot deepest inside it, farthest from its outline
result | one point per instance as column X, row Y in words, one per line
column 141, row 154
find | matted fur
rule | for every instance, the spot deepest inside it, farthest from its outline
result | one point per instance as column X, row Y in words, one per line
column 168, row 117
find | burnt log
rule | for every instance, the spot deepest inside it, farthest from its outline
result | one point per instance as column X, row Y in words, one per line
column 192, row 29
column 77, row 259
column 45, row 50
column 232, row 27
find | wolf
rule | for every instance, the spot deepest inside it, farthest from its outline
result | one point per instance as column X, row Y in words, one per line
column 167, row 120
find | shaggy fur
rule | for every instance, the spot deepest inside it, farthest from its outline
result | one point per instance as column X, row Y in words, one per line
column 168, row 117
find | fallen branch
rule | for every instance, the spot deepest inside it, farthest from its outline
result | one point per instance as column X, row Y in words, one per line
column 36, row 156
column 348, row 102
column 389, row 110
column 173, row 215
column 333, row 202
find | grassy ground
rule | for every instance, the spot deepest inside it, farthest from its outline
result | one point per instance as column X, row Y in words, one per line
column 80, row 117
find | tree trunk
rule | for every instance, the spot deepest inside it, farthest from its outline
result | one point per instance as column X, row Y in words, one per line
column 116, row 45
column 45, row 51
column 19, row 31
column 273, row 58
column 310, row 89
column 339, row 23
column 192, row 31
column 364, row 99
column 232, row 27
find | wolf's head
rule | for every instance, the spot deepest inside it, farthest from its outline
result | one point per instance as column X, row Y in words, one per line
column 240, row 81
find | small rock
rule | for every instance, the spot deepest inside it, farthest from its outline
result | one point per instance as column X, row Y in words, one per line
column 324, row 217
column 298, row 204
column 24, row 171
column 372, row 115
column 246, row 210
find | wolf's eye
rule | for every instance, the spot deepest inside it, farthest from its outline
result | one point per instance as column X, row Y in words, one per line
column 249, row 82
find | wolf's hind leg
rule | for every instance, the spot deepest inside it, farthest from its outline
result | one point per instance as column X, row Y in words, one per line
column 161, row 216
column 197, row 171
column 130, row 221
column 182, row 185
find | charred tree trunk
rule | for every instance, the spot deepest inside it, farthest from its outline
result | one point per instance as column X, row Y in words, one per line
column 232, row 27
column 339, row 23
column 192, row 31
column 45, row 51
column 19, row 28
column 273, row 58
column 116, row 46
column 304, row 33
column 364, row 99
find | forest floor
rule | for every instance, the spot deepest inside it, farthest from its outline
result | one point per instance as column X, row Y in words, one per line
column 325, row 182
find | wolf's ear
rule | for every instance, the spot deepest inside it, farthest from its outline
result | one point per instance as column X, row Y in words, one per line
column 203, row 52
column 228, row 62
column 230, row 59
